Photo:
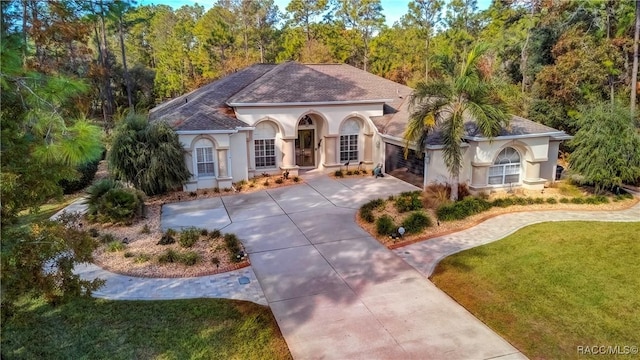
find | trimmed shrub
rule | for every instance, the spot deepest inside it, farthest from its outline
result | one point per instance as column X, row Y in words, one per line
column 115, row 246
column 564, row 201
column 338, row 173
column 279, row 180
column 367, row 215
column 552, row 201
column 538, row 200
column 408, row 201
column 188, row 237
column 108, row 201
column 385, row 225
column 214, row 234
column 416, row 222
column 373, row 204
column 169, row 237
column 462, row 209
column 577, row 200
column 189, row 258
column 597, row 199
column 169, row 256
column 296, row 179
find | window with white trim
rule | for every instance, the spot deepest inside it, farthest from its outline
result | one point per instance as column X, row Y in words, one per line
column 349, row 131
column 506, row 168
column 205, row 164
column 264, row 144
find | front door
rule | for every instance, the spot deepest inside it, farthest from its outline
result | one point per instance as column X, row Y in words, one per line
column 304, row 148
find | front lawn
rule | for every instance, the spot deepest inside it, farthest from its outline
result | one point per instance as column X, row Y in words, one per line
column 174, row 329
column 552, row 287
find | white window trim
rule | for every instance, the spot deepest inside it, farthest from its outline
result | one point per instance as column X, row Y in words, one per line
column 348, row 134
column 503, row 168
column 255, row 154
column 213, row 162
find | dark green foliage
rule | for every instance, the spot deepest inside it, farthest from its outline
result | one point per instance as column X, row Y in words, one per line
column 577, row 200
column 279, row 181
column 214, row 234
column 115, row 246
column 538, row 200
column 416, row 222
column 107, row 238
column 169, row 237
column 216, row 261
column 366, row 211
column 606, row 147
column 87, row 172
column 233, row 246
column 408, row 201
column 149, row 156
column 385, row 225
column 564, row 201
column 94, row 233
column 189, row 236
column 338, row 173
column 109, row 201
column 38, row 260
column 597, row 199
column 462, row 209
column 296, row 179
column 552, row 200
column 189, row 258
column 367, row 215
column 169, row 256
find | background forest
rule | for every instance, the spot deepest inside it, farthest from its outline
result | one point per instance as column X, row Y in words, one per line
column 551, row 57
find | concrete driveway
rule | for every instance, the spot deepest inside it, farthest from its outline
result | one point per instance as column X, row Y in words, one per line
column 336, row 292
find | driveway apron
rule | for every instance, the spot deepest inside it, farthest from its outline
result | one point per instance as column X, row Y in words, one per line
column 336, row 292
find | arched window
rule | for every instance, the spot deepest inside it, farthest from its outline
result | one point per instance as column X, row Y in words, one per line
column 264, row 142
column 349, row 131
column 205, row 165
column 506, row 168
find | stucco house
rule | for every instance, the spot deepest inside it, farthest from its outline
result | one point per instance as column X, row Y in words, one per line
column 270, row 118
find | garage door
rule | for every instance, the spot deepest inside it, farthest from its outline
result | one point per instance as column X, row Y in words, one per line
column 410, row 169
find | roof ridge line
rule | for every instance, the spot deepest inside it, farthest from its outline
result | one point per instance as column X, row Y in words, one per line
column 257, row 79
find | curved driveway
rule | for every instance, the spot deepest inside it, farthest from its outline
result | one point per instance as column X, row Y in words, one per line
column 336, row 292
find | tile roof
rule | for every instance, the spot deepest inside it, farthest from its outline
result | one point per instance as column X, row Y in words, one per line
column 208, row 108
column 205, row 108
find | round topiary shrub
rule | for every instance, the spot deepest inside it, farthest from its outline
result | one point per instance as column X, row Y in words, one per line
column 416, row 222
column 385, row 225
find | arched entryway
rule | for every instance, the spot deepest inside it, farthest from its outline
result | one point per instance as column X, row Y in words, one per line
column 305, row 144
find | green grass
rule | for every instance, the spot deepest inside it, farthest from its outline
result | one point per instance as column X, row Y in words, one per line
column 176, row 329
column 551, row 287
column 45, row 211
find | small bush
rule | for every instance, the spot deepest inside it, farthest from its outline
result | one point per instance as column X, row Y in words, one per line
column 385, row 225
column 296, row 179
column 567, row 189
column 214, row 234
column 462, row 209
column 129, row 254
column 204, row 232
column 94, row 233
column 145, row 229
column 233, row 244
column 266, row 183
column 169, row 237
column 538, row 200
column 356, row 172
column 279, row 180
column 115, row 246
column 216, row 261
column 216, row 190
column 349, row 172
column 189, row 258
column 597, row 199
column 142, row 258
column 503, row 202
column 338, row 173
column 436, row 195
column 552, row 200
column 416, row 222
column 374, row 204
column 408, row 201
column 193, row 194
column 577, row 200
column 252, row 185
column 169, row 256
column 188, row 237
column 227, row 189
column 391, row 198
column 107, row 238
column 367, row 215
column 108, row 201
column 564, row 201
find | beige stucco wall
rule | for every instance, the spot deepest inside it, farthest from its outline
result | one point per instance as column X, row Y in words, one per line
column 437, row 172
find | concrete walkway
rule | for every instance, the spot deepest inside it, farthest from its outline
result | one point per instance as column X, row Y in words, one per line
column 336, row 292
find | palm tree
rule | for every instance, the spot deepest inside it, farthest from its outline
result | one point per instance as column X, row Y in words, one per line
column 462, row 93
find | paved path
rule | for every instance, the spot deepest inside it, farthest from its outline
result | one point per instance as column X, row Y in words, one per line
column 335, row 291
column 425, row 255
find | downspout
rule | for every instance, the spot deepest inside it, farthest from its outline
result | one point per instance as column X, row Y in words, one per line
column 426, row 169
